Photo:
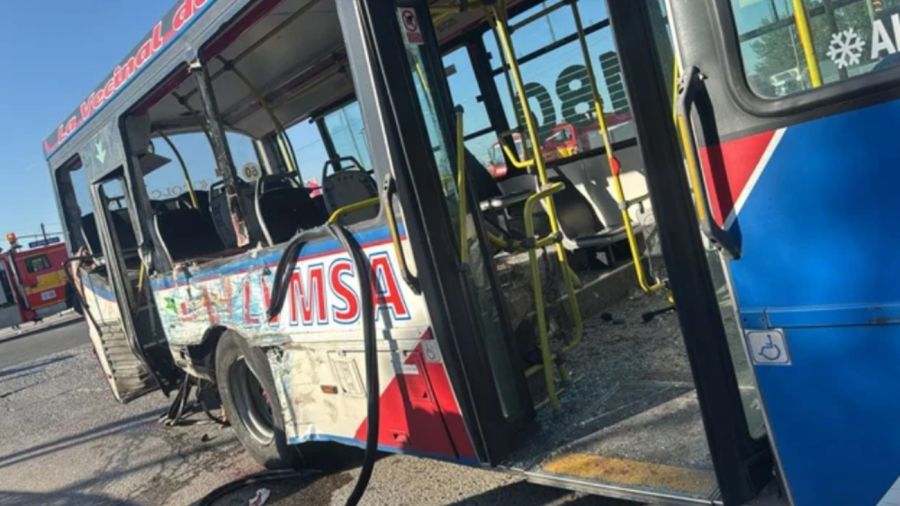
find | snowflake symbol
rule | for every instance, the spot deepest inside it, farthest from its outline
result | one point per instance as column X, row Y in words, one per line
column 845, row 48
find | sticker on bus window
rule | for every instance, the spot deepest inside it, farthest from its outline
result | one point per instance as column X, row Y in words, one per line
column 410, row 24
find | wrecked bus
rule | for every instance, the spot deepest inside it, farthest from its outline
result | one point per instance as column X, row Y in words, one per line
column 409, row 302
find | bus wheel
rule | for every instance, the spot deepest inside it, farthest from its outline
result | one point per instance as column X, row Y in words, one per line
column 250, row 401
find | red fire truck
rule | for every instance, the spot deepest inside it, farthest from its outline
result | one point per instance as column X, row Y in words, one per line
column 563, row 141
column 32, row 281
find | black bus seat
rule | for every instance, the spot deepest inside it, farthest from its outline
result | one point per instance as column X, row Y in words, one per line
column 578, row 220
column 348, row 186
column 221, row 217
column 500, row 204
column 283, row 207
column 120, row 226
column 186, row 234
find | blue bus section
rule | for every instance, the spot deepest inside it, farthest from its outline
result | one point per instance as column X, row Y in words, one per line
column 819, row 263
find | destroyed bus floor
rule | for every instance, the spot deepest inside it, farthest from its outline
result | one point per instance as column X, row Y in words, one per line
column 629, row 415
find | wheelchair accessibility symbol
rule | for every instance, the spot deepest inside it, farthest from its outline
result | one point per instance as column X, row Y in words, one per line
column 768, row 347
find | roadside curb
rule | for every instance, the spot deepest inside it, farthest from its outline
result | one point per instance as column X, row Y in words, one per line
column 49, row 323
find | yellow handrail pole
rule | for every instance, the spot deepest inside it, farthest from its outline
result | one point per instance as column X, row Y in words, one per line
column 512, row 157
column 499, row 22
column 461, row 189
column 349, row 208
column 141, row 278
column 801, row 19
column 540, row 311
column 614, row 167
column 184, row 170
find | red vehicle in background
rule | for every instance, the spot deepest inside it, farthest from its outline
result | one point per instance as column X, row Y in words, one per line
column 564, row 140
column 32, row 281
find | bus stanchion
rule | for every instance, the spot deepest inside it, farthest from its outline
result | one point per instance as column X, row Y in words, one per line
column 497, row 18
column 615, row 168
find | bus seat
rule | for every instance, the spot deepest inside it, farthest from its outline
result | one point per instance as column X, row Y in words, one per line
column 577, row 218
column 283, row 207
column 221, row 218
column 348, row 186
column 121, row 224
column 187, row 233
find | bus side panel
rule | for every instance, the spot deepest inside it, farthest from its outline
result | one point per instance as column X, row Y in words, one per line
column 315, row 347
column 816, row 210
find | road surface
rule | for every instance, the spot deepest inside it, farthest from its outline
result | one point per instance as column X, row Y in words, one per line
column 16, row 349
column 66, row 441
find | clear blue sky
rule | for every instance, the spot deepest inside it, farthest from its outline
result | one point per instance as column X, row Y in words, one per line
column 53, row 53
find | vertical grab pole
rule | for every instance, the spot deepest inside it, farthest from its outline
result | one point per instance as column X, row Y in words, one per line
column 801, row 19
column 497, row 17
column 461, row 188
column 184, row 169
column 615, row 168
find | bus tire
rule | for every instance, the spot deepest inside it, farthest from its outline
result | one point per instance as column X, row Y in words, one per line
column 245, row 394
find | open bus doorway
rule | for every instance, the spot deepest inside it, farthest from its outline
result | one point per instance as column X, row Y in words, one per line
column 628, row 412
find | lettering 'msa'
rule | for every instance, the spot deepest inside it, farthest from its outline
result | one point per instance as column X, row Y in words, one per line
column 329, row 294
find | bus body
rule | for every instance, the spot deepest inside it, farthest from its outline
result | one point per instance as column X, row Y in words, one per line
column 254, row 280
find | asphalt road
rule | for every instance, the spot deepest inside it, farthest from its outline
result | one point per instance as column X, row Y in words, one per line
column 32, row 346
column 65, row 440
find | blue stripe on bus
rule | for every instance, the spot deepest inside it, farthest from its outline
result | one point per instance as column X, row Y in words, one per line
column 269, row 258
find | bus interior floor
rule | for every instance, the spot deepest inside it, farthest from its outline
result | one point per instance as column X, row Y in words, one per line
column 629, row 415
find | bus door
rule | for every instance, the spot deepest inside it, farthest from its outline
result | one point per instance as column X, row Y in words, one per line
column 124, row 327
column 411, row 112
column 788, row 112
column 130, row 373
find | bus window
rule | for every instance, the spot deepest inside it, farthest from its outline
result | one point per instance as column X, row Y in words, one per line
column 346, row 129
column 556, row 80
column 168, row 181
column 310, row 151
column 245, row 158
column 848, row 39
column 479, row 135
column 75, row 200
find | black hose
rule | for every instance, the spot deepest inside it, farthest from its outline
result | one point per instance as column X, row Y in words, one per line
column 255, row 479
column 373, row 395
column 373, row 388
column 286, row 267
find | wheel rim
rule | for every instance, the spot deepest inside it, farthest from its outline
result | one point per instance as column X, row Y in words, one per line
column 252, row 403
